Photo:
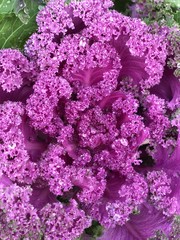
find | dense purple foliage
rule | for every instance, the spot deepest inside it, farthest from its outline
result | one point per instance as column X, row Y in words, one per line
column 89, row 128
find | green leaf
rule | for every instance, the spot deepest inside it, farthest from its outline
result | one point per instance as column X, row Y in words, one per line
column 175, row 2
column 21, row 10
column 7, row 6
column 122, row 6
column 95, row 230
column 177, row 17
column 17, row 22
column 19, row 7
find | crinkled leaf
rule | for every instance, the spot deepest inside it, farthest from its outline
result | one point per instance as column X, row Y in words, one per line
column 17, row 23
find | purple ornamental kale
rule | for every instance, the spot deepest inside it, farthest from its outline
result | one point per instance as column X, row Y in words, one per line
column 33, row 212
column 19, row 148
column 18, row 217
column 16, row 76
column 89, row 127
column 14, row 68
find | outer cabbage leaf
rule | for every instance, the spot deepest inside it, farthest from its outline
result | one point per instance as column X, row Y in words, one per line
column 7, row 6
column 17, row 22
column 175, row 2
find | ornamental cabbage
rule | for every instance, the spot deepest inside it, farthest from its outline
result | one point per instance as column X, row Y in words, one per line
column 90, row 129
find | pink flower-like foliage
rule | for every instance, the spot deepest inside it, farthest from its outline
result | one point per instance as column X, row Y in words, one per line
column 89, row 128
